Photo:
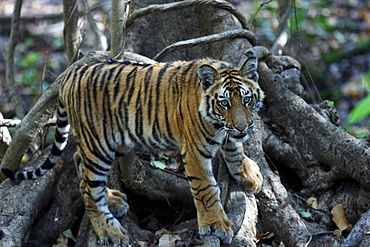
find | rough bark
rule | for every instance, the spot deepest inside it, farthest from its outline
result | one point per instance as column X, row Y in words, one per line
column 22, row 203
column 120, row 10
column 10, row 60
column 71, row 32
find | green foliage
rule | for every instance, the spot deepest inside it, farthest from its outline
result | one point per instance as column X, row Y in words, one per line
column 362, row 108
column 30, row 59
column 360, row 111
column 330, row 103
column 366, row 80
column 30, row 74
column 304, row 214
column 362, row 134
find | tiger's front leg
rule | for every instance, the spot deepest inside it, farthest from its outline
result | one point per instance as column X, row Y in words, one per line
column 211, row 216
column 241, row 167
column 98, row 201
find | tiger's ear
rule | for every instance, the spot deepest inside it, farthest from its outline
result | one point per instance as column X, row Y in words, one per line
column 249, row 69
column 207, row 75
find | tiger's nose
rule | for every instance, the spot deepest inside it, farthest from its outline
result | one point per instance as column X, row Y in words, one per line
column 241, row 128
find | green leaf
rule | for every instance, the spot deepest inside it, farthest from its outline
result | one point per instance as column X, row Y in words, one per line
column 305, row 214
column 362, row 134
column 330, row 103
column 158, row 164
column 30, row 59
column 361, row 110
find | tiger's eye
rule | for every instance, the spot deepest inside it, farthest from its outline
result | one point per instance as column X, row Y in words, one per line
column 247, row 100
column 224, row 103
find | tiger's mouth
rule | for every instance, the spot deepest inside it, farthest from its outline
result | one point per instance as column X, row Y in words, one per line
column 240, row 136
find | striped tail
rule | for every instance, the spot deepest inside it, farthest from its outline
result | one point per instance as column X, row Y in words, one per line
column 60, row 141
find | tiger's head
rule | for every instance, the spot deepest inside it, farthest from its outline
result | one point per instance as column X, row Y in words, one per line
column 231, row 97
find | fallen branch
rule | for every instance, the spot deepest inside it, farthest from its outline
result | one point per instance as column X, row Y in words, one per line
column 12, row 123
column 21, row 204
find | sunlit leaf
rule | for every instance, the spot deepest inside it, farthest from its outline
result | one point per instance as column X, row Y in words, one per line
column 313, row 202
column 168, row 240
column 304, row 214
column 330, row 103
column 158, row 164
column 339, row 217
column 361, row 110
column 362, row 134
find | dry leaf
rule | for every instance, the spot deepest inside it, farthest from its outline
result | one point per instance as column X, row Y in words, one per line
column 281, row 244
column 337, row 233
column 339, row 218
column 268, row 236
column 313, row 202
column 168, row 240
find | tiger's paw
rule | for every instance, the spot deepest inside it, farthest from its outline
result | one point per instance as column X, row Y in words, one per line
column 116, row 201
column 250, row 175
column 109, row 231
column 219, row 226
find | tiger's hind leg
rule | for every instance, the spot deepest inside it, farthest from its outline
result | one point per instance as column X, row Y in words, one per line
column 241, row 167
column 116, row 200
column 99, row 200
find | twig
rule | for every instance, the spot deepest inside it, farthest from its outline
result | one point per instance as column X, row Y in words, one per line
column 9, row 73
column 258, row 10
column 12, row 123
column 188, row 3
column 316, row 234
column 101, row 39
column 285, row 8
column 238, row 33
column 71, row 34
column 119, row 15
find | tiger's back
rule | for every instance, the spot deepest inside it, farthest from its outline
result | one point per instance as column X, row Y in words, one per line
column 136, row 104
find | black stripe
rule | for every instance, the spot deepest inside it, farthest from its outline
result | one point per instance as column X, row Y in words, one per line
column 198, row 191
column 214, row 196
column 117, row 80
column 230, row 149
column 59, row 136
column 92, row 168
column 96, row 183
column 192, row 178
column 130, row 82
column 47, row 164
column 205, row 154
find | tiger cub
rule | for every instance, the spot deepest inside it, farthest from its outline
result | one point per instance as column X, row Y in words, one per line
column 192, row 107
